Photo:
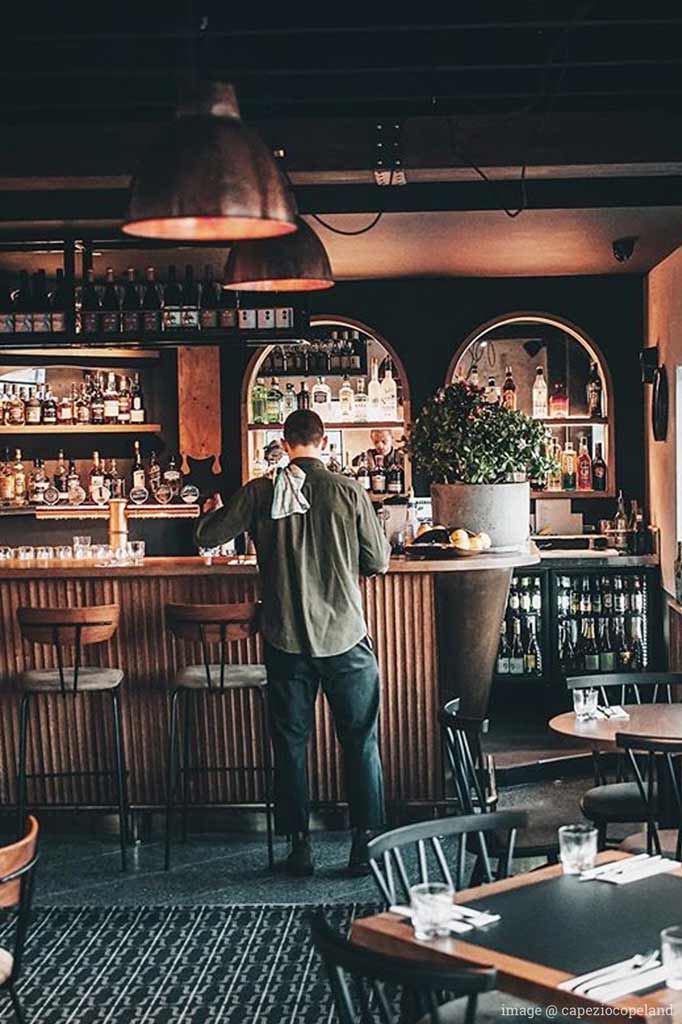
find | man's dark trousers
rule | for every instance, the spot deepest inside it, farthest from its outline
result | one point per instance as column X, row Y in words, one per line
column 350, row 682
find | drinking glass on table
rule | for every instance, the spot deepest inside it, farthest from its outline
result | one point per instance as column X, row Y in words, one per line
column 671, row 954
column 585, row 704
column 82, row 547
column 577, row 848
column 137, row 549
column 431, row 904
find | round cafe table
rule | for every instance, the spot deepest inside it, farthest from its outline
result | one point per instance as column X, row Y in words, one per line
column 664, row 721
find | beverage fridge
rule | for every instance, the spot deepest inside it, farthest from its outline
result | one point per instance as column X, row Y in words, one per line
column 571, row 618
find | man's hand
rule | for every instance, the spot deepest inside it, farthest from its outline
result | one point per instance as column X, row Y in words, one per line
column 212, row 504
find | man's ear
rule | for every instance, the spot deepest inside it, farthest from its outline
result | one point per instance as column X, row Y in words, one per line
column 325, row 442
column 285, row 445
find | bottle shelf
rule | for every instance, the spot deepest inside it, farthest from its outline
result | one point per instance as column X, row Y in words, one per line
column 572, row 421
column 81, row 428
column 338, row 425
column 609, row 493
column 131, row 512
column 265, row 375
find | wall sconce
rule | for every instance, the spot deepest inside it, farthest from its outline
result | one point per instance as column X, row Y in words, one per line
column 654, row 374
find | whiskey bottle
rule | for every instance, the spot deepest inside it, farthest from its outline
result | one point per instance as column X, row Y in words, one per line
column 33, row 409
column 172, row 301
column 154, row 472
column 190, row 300
column 395, row 479
column 6, row 481
column 137, row 412
column 110, row 316
column 594, row 394
column 116, row 481
column 172, row 477
column 90, row 304
column 20, row 483
column 131, row 317
column 97, row 402
column 16, row 409
column 509, row 396
column 95, row 477
column 151, row 303
column 554, row 478
column 303, row 396
column 584, row 467
column 558, row 401
column 377, row 476
column 65, row 411
column 208, row 313
column 139, row 476
column 124, row 402
column 362, row 473
column 111, row 400
column 347, row 468
column 356, row 357
column 61, row 475
column 37, row 483
column 599, row 470
column 59, row 300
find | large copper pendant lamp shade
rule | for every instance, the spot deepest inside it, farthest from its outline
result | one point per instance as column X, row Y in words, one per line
column 211, row 178
column 293, row 263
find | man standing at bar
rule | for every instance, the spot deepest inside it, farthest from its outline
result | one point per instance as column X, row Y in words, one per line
column 315, row 533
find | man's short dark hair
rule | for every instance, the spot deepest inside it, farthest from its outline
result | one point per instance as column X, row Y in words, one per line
column 303, row 428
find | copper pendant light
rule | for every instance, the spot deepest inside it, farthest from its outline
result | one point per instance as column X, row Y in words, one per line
column 211, row 178
column 294, row 263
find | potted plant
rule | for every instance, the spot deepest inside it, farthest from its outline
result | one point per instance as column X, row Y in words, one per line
column 479, row 458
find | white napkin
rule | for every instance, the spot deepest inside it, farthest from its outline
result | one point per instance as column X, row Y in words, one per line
column 643, row 869
column 631, row 983
column 615, row 711
column 287, row 497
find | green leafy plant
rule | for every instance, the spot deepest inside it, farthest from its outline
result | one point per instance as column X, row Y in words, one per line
column 458, row 437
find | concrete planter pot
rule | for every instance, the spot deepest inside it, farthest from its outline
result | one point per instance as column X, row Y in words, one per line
column 500, row 510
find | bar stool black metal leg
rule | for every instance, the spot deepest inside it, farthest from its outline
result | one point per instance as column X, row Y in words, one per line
column 21, row 767
column 188, row 714
column 16, row 1005
column 171, row 771
column 121, row 780
column 267, row 776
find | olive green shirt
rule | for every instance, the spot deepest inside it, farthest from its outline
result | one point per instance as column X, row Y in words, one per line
column 310, row 563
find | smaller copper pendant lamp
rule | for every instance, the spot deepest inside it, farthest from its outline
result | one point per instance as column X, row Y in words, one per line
column 211, row 178
column 293, row 263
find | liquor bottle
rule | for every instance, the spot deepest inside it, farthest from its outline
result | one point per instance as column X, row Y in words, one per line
column 116, row 483
column 154, row 472
column 65, row 410
column 374, row 392
column 563, row 596
column 356, row 357
column 60, row 476
column 151, row 303
column 48, row 411
column 346, row 399
column 569, row 468
column 474, row 379
column 95, row 476
column 599, row 469
column 333, row 463
column 59, row 301
column 532, row 658
column 111, row 400
column 346, row 351
column 40, row 302
column 575, row 596
column 620, row 526
column 516, row 654
column 536, row 597
column 395, row 479
column 172, row 476
column 377, row 476
column 619, row 597
column 492, row 392
column 597, row 606
column 33, row 409
column 621, row 647
column 273, row 402
column 172, row 301
column 20, row 482
column 360, row 401
column 258, row 396
column 585, row 596
column 411, row 520
column 607, row 595
column 73, row 478
column 638, row 656
column 321, row 398
column 137, row 413
column 509, row 396
column 82, row 407
column 124, row 402
column 584, row 467
column 502, row 663
column 227, row 314
column 554, row 479
column 190, row 300
column 362, row 473
column 587, row 652
column 303, row 396
column 97, row 402
column 539, row 395
column 594, row 394
column 138, row 475
column 389, row 394
column 131, row 315
column 90, row 304
column 289, row 402
column 347, row 468
column 16, row 409
column 558, row 401
column 567, row 654
column 6, row 481
column 208, row 313
column 335, row 350
column 637, row 597
column 277, row 359
column 514, row 601
column 607, row 656
column 110, row 317
column 524, row 595
column 37, row 483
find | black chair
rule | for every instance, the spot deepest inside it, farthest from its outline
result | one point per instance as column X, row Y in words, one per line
column 475, row 786
column 372, row 988
column 614, row 803
column 17, row 870
column 658, row 783
column 210, row 626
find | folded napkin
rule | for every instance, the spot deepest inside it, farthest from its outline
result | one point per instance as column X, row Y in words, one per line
column 287, row 497
column 643, row 869
column 637, row 981
column 614, row 712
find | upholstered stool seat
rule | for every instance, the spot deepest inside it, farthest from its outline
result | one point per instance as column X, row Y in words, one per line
column 195, row 677
column 614, row 802
column 49, row 680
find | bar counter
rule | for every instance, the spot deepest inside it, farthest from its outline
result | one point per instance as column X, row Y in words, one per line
column 401, row 610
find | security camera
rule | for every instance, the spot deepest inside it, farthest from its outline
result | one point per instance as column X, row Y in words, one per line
column 623, row 248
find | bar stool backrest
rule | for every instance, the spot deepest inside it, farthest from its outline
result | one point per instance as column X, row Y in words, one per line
column 17, row 866
column 608, row 682
column 214, row 624
column 64, row 628
column 662, row 756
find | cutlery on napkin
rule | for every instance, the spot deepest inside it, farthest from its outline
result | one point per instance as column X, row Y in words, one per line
column 613, row 867
column 464, row 919
column 613, row 711
column 634, row 982
column 645, row 869
column 601, row 974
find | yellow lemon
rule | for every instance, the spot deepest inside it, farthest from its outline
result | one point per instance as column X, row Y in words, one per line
column 460, row 538
column 476, row 543
column 485, row 540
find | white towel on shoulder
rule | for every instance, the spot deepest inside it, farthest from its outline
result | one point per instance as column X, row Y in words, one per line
column 287, row 497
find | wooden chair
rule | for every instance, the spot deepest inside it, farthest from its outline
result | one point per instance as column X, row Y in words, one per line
column 475, row 785
column 373, row 987
column 613, row 803
column 213, row 626
column 17, row 871
column 658, row 783
column 64, row 630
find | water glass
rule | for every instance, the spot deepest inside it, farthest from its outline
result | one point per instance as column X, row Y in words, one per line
column 431, row 904
column 44, row 554
column 64, row 553
column 671, row 953
column 585, row 704
column 6, row 553
column 577, row 848
column 208, row 554
column 26, row 554
column 82, row 542
column 137, row 548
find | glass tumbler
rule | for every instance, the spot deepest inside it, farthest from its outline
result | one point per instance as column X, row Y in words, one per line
column 431, row 904
column 671, row 953
column 577, row 848
column 585, row 704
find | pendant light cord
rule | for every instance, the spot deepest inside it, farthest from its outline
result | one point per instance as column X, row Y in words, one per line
column 357, row 231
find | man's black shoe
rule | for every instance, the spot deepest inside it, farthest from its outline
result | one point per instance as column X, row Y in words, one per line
column 299, row 863
column 358, row 863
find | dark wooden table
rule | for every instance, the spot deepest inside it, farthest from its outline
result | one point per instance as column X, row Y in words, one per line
column 529, row 979
column 663, row 721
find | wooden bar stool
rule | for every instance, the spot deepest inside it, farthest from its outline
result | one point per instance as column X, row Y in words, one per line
column 17, row 867
column 211, row 626
column 72, row 629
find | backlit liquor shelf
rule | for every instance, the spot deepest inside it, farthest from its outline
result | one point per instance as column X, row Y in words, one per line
column 132, row 512
column 77, row 428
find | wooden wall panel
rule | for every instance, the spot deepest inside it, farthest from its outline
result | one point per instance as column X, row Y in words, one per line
column 674, row 635
column 199, row 412
column 70, row 732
